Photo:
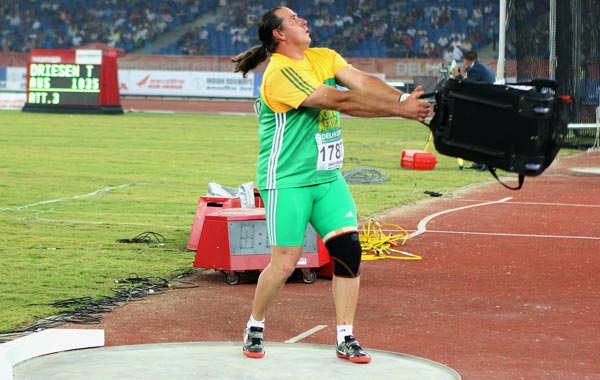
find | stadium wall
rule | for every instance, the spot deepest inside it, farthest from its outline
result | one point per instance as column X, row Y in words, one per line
column 393, row 68
column 204, row 77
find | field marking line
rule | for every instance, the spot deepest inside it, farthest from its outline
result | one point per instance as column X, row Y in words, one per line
column 422, row 226
column 93, row 193
column 515, row 235
column 584, row 205
column 306, row 334
column 94, row 223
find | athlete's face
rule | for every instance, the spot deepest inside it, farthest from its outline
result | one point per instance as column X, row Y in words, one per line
column 294, row 28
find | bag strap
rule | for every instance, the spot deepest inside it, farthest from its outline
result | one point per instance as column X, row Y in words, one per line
column 490, row 169
column 521, row 179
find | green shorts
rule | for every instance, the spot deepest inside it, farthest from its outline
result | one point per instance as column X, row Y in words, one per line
column 327, row 207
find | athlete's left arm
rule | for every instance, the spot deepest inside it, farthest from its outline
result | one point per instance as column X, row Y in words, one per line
column 357, row 80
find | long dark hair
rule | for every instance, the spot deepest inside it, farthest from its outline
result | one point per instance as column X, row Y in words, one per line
column 251, row 58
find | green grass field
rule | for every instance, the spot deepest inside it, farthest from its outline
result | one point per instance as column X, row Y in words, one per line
column 71, row 185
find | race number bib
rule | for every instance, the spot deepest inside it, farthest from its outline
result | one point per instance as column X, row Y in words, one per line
column 330, row 150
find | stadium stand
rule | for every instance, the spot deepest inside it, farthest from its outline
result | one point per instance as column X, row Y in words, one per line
column 370, row 28
column 65, row 24
column 356, row 28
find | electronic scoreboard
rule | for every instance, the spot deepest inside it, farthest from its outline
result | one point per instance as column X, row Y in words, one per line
column 72, row 81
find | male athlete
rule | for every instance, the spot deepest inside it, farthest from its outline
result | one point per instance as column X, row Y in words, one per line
column 300, row 156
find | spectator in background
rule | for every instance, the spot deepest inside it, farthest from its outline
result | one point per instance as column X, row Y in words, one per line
column 203, row 34
column 475, row 71
column 448, row 56
column 457, row 53
column 67, row 24
column 131, row 24
column 466, row 45
column 236, row 38
column 491, row 35
column 443, row 41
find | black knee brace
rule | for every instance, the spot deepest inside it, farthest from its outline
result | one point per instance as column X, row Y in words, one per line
column 345, row 251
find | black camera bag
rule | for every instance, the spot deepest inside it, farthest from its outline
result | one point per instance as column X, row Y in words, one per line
column 518, row 128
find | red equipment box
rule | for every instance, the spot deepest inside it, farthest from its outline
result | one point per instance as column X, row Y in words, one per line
column 208, row 205
column 235, row 240
column 418, row 160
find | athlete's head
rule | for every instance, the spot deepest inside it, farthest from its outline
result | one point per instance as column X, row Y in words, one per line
column 277, row 25
column 267, row 24
column 283, row 24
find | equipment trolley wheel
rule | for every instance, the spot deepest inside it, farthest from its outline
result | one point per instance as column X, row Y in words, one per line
column 253, row 273
column 309, row 276
column 232, row 278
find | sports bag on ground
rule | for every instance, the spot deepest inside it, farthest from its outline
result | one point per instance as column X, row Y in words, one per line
column 518, row 128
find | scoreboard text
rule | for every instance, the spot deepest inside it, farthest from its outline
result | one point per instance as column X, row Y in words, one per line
column 73, row 81
column 63, row 83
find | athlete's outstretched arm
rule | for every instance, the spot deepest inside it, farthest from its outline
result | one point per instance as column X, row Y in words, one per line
column 365, row 104
column 357, row 80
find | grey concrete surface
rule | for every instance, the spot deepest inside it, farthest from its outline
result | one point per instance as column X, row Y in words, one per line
column 217, row 360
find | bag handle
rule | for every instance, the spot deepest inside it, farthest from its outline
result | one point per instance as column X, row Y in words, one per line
column 521, row 179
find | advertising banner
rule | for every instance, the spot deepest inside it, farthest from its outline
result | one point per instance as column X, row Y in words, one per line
column 207, row 84
column 13, row 78
column 12, row 100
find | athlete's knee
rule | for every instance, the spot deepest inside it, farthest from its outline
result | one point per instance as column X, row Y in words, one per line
column 345, row 251
column 284, row 260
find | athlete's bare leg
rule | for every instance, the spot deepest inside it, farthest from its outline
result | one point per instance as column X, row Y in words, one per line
column 345, row 297
column 273, row 278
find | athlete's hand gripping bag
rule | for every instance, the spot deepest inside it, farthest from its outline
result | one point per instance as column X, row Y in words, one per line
column 517, row 128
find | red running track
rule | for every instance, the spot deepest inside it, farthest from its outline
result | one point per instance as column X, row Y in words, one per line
column 506, row 290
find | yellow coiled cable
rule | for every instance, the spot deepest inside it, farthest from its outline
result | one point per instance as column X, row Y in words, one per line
column 377, row 245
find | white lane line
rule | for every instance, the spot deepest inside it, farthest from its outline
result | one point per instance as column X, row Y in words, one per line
column 514, row 235
column 422, row 226
column 101, row 191
column 584, row 205
column 306, row 334
column 575, row 237
column 94, row 223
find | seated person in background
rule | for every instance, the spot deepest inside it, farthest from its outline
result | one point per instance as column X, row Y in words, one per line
column 475, row 71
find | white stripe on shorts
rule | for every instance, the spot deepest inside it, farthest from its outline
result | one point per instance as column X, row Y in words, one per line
column 280, row 121
column 271, row 216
